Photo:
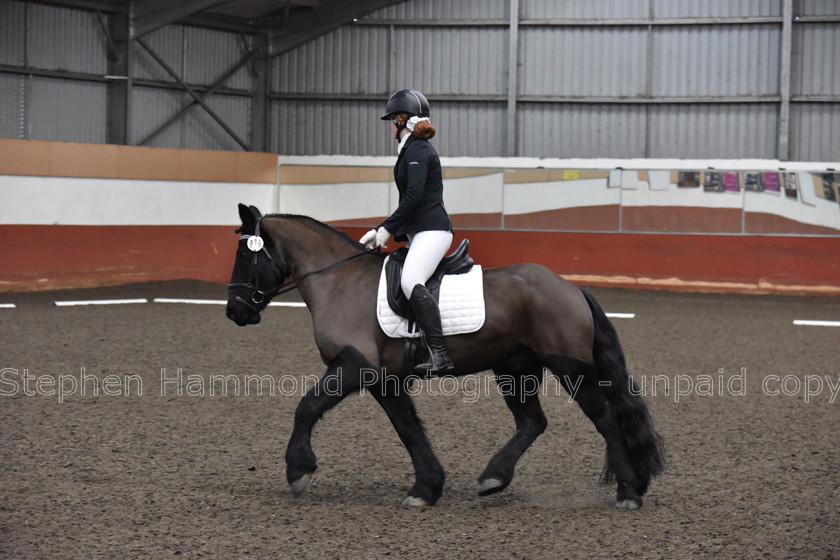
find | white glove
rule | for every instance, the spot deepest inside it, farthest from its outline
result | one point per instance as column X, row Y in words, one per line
column 382, row 237
column 368, row 239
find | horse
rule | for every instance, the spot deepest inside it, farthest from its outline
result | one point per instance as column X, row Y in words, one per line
column 535, row 321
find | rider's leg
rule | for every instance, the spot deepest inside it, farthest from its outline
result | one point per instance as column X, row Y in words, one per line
column 425, row 252
column 427, row 314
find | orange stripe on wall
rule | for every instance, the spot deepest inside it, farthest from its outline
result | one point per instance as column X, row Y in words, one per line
column 70, row 159
column 323, row 174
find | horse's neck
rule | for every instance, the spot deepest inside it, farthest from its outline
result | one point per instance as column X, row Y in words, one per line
column 308, row 247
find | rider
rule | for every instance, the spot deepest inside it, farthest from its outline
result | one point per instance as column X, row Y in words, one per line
column 420, row 217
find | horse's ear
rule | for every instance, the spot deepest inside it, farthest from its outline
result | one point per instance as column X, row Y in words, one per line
column 249, row 215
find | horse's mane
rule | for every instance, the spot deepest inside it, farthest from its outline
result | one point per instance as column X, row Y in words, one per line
column 327, row 228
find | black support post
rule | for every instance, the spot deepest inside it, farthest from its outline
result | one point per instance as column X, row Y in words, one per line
column 117, row 32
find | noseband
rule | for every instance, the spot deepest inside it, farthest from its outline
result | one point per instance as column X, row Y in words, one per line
column 257, row 246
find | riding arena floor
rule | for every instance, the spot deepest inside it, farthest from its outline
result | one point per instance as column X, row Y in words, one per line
column 158, row 430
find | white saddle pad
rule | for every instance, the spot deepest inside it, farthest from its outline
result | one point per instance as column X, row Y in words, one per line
column 461, row 306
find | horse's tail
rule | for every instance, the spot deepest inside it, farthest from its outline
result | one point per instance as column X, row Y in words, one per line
column 644, row 446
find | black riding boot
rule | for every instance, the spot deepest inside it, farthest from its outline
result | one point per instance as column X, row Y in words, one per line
column 427, row 314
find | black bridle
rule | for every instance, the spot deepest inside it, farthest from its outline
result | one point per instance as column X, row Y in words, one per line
column 259, row 296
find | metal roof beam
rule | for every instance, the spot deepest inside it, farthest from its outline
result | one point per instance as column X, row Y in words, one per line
column 108, row 6
column 302, row 27
column 150, row 15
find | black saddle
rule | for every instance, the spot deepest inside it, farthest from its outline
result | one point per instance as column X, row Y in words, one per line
column 458, row 262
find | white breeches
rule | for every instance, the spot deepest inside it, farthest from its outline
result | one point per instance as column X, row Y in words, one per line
column 425, row 251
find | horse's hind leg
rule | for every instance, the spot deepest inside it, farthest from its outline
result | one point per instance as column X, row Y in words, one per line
column 521, row 393
column 342, row 378
column 428, row 472
column 581, row 381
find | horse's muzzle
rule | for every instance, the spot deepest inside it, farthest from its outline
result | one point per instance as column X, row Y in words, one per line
column 241, row 312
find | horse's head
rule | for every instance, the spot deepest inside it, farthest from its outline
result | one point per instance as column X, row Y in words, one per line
column 258, row 271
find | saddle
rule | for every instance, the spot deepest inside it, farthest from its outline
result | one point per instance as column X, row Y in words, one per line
column 458, row 262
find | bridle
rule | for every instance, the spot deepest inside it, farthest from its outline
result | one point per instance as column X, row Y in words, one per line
column 256, row 245
column 257, row 296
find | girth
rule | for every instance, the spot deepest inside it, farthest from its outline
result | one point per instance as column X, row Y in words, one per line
column 458, row 262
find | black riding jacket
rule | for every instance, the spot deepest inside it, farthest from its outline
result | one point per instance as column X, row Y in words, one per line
column 419, row 180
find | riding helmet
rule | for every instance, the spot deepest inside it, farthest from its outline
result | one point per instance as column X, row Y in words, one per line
column 408, row 101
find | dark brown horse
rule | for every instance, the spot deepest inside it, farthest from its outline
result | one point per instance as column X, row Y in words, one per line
column 534, row 320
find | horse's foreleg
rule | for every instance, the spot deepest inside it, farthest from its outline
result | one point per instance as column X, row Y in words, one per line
column 343, row 377
column 428, row 472
column 521, row 392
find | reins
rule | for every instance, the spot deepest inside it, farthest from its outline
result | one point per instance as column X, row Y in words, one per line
column 289, row 286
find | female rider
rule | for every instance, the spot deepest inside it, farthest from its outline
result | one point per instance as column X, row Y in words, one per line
column 420, row 217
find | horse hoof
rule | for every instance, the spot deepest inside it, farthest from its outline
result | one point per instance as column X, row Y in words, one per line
column 414, row 502
column 302, row 484
column 628, row 505
column 490, row 486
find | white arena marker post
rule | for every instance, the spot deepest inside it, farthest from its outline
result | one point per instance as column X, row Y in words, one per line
column 190, row 301
column 7, row 306
column 809, row 323
column 99, row 302
column 224, row 302
column 621, row 315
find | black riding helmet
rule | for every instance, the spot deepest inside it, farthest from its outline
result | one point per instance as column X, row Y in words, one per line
column 408, row 101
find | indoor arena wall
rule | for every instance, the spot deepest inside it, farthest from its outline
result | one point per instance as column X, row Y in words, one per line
column 92, row 214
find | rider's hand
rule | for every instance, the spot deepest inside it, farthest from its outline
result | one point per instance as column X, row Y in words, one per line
column 382, row 237
column 368, row 239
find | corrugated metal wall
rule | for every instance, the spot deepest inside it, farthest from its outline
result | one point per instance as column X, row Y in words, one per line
column 444, row 10
column 61, row 42
column 54, row 84
column 815, row 80
column 199, row 57
column 668, row 9
column 12, row 95
column 351, row 59
column 594, row 78
column 64, row 39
